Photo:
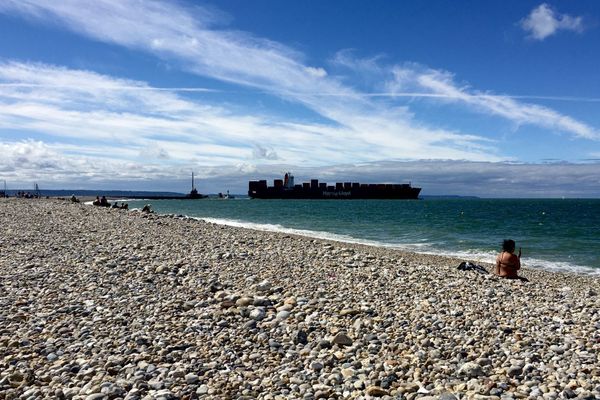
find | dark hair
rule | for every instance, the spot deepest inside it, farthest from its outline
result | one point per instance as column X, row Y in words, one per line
column 508, row 245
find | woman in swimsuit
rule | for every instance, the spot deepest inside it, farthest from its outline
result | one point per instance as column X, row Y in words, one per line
column 507, row 263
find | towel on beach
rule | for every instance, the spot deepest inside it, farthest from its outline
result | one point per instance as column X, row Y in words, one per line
column 467, row 266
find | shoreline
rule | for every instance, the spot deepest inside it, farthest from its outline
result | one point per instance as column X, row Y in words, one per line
column 486, row 259
column 105, row 303
column 538, row 264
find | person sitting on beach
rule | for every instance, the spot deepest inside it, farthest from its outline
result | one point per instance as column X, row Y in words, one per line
column 124, row 206
column 97, row 201
column 104, row 202
column 507, row 263
column 147, row 209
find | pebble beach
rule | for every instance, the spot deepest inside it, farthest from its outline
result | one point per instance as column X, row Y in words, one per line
column 100, row 303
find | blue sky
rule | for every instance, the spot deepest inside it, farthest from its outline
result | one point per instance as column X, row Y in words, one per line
column 494, row 98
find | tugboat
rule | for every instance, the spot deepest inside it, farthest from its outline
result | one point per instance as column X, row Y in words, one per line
column 193, row 194
column 226, row 196
column 286, row 189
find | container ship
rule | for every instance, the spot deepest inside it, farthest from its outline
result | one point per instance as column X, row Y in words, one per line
column 286, row 189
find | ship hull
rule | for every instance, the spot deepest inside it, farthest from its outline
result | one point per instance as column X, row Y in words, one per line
column 286, row 189
column 277, row 193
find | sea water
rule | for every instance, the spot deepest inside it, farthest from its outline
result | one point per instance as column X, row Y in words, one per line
column 554, row 234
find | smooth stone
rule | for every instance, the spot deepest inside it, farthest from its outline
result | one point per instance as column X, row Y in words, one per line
column 348, row 372
column 258, row 314
column 244, row 301
column 342, row 339
column 190, row 379
column 203, row 389
column 484, row 361
column 359, row 384
column 261, row 302
column 447, row 396
column 376, row 391
column 316, row 366
column 161, row 269
column 557, row 349
column 281, row 315
column 535, row 392
column 264, row 286
column 97, row 396
column 471, row 370
column 301, row 337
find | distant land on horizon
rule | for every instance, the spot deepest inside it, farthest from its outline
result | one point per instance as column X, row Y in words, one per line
column 94, row 193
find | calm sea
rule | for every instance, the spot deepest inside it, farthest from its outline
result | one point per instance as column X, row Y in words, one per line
column 554, row 234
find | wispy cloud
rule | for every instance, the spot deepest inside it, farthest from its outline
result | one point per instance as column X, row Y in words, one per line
column 115, row 88
column 543, row 22
column 97, row 110
column 439, row 84
column 416, row 81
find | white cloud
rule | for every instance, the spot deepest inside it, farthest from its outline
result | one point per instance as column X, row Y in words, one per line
column 262, row 153
column 543, row 22
column 316, row 72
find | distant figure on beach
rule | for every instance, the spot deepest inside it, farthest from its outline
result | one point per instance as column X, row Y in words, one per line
column 507, row 263
column 147, row 209
column 124, row 206
column 97, row 201
column 74, row 199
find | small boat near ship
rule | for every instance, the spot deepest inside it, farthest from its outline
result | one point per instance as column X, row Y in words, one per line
column 286, row 189
column 226, row 196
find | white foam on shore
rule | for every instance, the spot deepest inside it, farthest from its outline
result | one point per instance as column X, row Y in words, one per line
column 91, row 202
column 528, row 262
column 421, row 248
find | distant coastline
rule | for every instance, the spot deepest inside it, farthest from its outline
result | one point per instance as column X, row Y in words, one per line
column 98, row 192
